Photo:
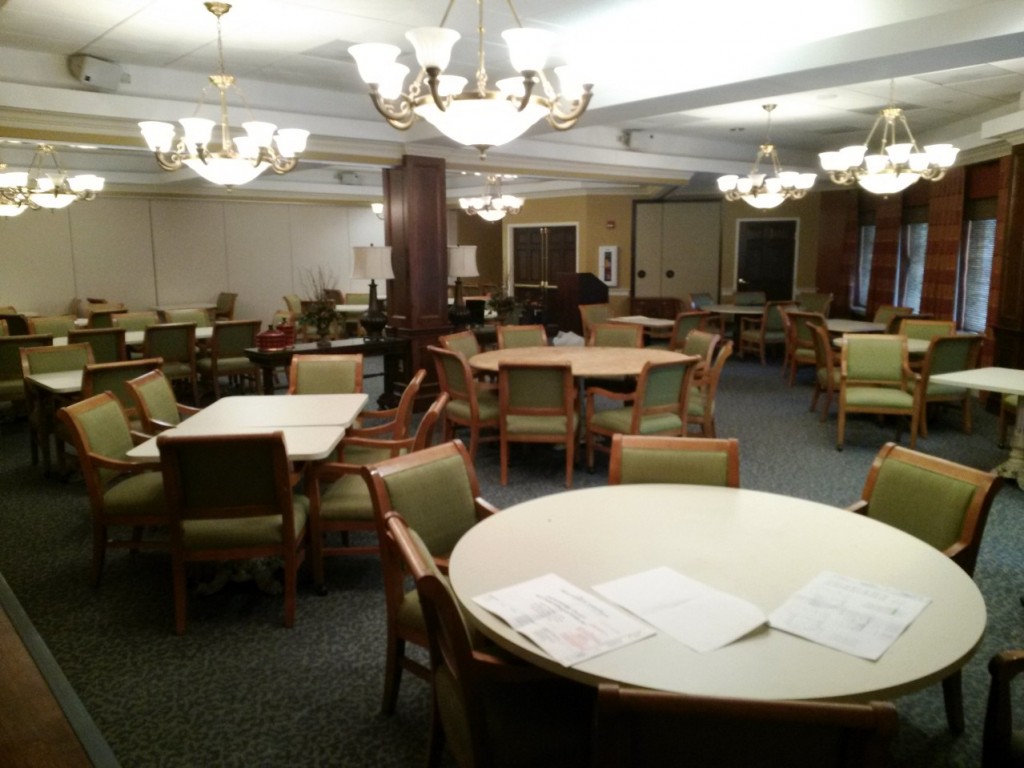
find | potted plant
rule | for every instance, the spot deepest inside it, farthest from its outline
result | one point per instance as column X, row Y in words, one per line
column 319, row 310
column 504, row 305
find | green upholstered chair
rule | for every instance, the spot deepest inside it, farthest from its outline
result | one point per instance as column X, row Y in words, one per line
column 947, row 354
column 225, row 309
column 488, row 710
column 684, row 460
column 700, row 300
column 510, row 336
column 826, row 369
column 386, row 423
column 890, row 315
column 470, row 404
column 55, row 325
column 339, row 497
column 703, row 344
column 758, row 334
column 227, row 354
column 1007, row 415
column 230, row 497
column 17, row 324
column 135, row 321
column 926, row 330
column 693, row 320
column 615, row 335
column 157, row 408
column 114, row 377
column 814, row 301
column 944, row 504
column 637, row 726
column 175, row 344
column 437, row 491
column 537, row 404
column 12, row 382
column 107, row 344
column 750, row 298
column 1002, row 746
column 657, row 407
column 325, row 374
column 200, row 317
column 700, row 404
column 591, row 314
column 102, row 315
column 875, row 377
column 122, row 493
column 464, row 342
column 800, row 352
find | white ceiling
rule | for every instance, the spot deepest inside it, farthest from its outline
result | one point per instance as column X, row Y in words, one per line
column 678, row 87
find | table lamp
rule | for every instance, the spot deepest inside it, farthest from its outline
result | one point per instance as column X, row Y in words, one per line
column 461, row 263
column 372, row 263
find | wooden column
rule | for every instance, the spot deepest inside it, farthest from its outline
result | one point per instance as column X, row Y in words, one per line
column 1008, row 273
column 416, row 230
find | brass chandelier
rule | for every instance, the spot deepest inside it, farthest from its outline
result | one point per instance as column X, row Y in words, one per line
column 492, row 205
column 480, row 117
column 41, row 188
column 225, row 160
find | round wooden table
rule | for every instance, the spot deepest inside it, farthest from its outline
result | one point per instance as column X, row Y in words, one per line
column 761, row 547
column 587, row 362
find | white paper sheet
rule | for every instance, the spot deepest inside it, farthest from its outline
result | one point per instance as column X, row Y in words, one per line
column 568, row 624
column 850, row 615
column 700, row 616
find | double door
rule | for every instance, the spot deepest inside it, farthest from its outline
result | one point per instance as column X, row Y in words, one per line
column 677, row 249
column 539, row 255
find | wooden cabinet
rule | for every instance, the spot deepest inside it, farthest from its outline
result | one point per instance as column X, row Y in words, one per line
column 677, row 248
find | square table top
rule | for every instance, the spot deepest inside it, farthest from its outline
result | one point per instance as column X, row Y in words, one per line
column 1006, row 380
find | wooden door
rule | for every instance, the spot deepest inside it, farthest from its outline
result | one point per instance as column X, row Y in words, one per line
column 767, row 257
column 677, row 249
column 539, row 254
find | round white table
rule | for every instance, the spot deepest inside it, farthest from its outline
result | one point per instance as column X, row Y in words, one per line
column 758, row 546
column 586, row 362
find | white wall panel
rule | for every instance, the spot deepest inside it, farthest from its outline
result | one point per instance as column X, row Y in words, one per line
column 36, row 268
column 189, row 250
column 258, row 258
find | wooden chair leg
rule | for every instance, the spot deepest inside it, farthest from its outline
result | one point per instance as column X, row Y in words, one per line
column 953, row 697
column 392, row 672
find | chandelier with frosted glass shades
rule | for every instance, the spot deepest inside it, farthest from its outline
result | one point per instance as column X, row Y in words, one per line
column 41, row 187
column 895, row 164
column 493, row 205
column 481, row 116
column 207, row 146
column 762, row 190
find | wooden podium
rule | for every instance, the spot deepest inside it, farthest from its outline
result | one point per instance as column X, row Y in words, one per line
column 575, row 288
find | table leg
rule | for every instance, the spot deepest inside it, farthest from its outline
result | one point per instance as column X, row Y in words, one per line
column 1013, row 467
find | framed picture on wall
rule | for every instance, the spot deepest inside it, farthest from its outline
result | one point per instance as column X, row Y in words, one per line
column 608, row 264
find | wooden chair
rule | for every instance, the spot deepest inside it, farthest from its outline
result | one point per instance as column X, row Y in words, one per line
column 487, row 710
column 227, row 354
column 694, row 320
column 12, row 380
column 103, row 318
column 122, row 493
column 200, row 317
column 826, row 370
column 175, row 344
column 225, row 309
column 704, row 345
column 108, row 345
column 464, row 342
column 510, row 336
column 437, row 491
column 658, row 407
column 926, row 330
column 157, row 408
column 470, row 404
column 641, row 727
column 537, row 404
column 17, row 324
column 944, row 504
column 890, row 315
column 875, row 377
column 686, row 460
column 750, row 298
column 325, row 374
column 591, row 314
column 135, row 321
column 700, row 404
column 812, row 301
column 1002, row 746
column 615, row 335
column 114, row 377
column 801, row 352
column 229, row 497
column 757, row 334
column 947, row 354
column 55, row 325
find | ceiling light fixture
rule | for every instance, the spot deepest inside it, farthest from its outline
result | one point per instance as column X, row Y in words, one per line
column 896, row 164
column 492, row 205
column 761, row 190
column 480, row 117
column 39, row 188
column 228, row 161
column 378, row 210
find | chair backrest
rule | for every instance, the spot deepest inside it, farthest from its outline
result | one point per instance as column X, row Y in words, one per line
column 232, row 337
column 643, row 727
column 135, row 321
column 113, row 378
column 464, row 342
column 108, row 345
column 803, row 336
column 535, row 396
column 886, row 313
column 454, row 375
column 772, row 318
column 174, row 342
column 693, row 320
column 947, row 354
column 593, row 313
column 1001, row 745
column 700, row 300
column 750, row 298
column 103, row 318
column 99, row 427
column 615, row 335
column 875, row 358
column 427, row 427
column 702, row 344
column 663, row 388
column 710, row 377
column 154, row 401
column 294, row 303
column 17, row 324
column 49, row 359
column 510, row 336
column 667, row 459
column 913, row 328
column 943, row 503
column 325, row 375
column 56, row 325
column 824, row 355
column 200, row 317
column 225, row 308
column 810, row 301
column 10, row 355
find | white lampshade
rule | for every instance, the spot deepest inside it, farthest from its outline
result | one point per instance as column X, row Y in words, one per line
column 374, row 60
column 197, row 130
column 433, row 45
column 159, row 136
column 9, row 209
column 227, row 171
column 528, row 48
column 372, row 262
column 462, row 261
column 482, row 122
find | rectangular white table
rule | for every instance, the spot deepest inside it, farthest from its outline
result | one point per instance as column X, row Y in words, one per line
column 136, row 338
column 844, row 325
column 1009, row 381
column 650, row 323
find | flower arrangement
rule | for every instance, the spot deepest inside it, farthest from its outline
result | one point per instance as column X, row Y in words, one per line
column 502, row 304
column 318, row 311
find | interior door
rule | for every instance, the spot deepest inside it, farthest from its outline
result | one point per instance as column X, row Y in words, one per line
column 539, row 254
column 767, row 257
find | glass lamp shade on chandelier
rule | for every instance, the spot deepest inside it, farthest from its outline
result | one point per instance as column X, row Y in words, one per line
column 762, row 190
column 40, row 188
column 492, row 205
column 480, row 117
column 207, row 146
column 895, row 164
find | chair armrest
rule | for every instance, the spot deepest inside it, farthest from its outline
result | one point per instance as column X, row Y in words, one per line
column 621, row 396
column 484, row 508
column 128, row 467
column 139, row 437
column 442, row 564
column 386, row 428
column 187, row 410
column 860, row 507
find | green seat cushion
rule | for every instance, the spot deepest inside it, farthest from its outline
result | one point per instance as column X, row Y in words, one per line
column 487, row 407
column 242, row 532
column 621, row 420
column 538, row 425
column 878, row 397
column 347, row 498
column 141, row 494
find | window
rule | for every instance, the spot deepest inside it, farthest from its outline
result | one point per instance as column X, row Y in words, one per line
column 865, row 249
column 913, row 247
column 975, row 275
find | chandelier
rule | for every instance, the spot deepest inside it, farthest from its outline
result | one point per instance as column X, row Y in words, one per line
column 225, row 160
column 492, row 205
column 480, row 117
column 39, row 188
column 896, row 164
column 761, row 190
